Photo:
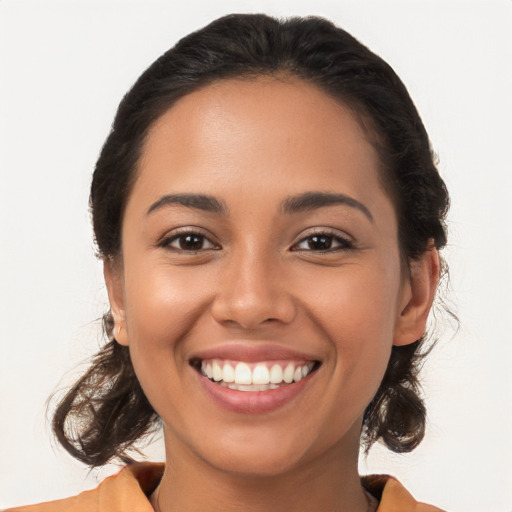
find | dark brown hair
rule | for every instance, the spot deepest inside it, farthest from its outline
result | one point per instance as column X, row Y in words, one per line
column 106, row 411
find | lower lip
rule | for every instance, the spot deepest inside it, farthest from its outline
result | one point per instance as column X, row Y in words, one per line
column 252, row 402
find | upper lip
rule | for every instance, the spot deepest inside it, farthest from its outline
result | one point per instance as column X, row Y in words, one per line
column 252, row 353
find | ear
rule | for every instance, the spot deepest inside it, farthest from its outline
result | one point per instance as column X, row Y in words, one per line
column 115, row 287
column 418, row 295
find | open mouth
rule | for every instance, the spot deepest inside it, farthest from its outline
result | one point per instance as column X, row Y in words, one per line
column 257, row 376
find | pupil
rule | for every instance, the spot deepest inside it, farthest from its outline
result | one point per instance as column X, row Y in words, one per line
column 320, row 242
column 189, row 242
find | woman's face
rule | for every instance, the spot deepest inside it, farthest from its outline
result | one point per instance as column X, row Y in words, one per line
column 258, row 245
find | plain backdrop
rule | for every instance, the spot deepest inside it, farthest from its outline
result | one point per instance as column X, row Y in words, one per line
column 64, row 66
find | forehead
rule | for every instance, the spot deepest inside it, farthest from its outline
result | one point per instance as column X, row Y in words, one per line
column 271, row 135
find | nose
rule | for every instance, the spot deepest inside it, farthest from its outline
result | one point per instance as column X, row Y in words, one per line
column 252, row 292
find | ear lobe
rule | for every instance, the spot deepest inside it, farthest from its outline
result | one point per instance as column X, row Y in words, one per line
column 115, row 288
column 421, row 290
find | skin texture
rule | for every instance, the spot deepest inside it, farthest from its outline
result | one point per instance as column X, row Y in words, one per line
column 257, row 278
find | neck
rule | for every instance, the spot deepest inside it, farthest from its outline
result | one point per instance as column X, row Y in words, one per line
column 329, row 482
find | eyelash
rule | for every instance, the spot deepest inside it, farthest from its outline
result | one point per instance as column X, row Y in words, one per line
column 325, row 237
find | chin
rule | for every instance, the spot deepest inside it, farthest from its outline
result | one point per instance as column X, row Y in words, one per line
column 256, row 463
column 262, row 451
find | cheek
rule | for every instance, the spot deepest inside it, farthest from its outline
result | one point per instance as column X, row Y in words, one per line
column 162, row 306
column 357, row 310
column 357, row 302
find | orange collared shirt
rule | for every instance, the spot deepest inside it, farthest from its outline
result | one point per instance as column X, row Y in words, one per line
column 128, row 491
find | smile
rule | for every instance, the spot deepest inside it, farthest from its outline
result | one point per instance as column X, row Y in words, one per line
column 257, row 376
column 254, row 378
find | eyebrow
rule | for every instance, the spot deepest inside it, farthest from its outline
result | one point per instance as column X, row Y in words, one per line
column 314, row 200
column 197, row 201
column 303, row 202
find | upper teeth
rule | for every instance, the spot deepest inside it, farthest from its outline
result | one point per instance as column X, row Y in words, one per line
column 261, row 373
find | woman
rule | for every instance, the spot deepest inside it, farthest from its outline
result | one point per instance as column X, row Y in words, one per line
column 269, row 217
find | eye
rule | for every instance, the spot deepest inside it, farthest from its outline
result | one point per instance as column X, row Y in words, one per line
column 323, row 242
column 189, row 242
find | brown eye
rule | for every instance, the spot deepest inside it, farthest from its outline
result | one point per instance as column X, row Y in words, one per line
column 323, row 242
column 192, row 242
column 320, row 242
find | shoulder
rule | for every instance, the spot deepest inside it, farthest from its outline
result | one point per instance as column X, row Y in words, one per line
column 393, row 496
column 123, row 492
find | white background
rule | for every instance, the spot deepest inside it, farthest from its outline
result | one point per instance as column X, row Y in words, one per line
column 64, row 66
